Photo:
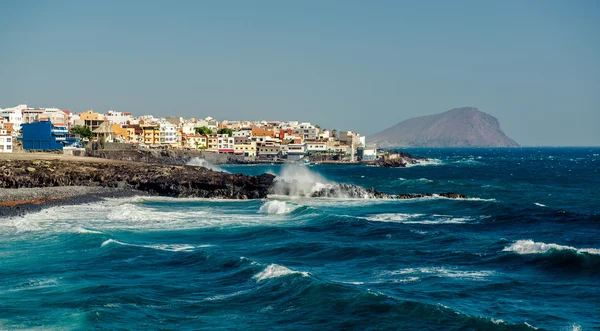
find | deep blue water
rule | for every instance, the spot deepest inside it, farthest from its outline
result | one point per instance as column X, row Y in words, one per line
column 522, row 253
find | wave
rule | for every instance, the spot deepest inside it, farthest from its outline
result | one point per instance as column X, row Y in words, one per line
column 557, row 256
column 532, row 247
column 198, row 162
column 540, row 205
column 418, row 218
column 416, row 274
column 299, row 181
column 426, row 162
column 276, row 207
column 275, row 271
column 162, row 247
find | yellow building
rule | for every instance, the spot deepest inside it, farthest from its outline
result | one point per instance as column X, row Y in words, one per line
column 212, row 143
column 247, row 149
column 151, row 134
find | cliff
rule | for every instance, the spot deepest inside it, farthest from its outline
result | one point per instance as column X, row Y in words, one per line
column 460, row 127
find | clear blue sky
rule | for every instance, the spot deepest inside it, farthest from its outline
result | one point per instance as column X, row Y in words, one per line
column 357, row 65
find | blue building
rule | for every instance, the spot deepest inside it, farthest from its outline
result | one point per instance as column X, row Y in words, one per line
column 44, row 136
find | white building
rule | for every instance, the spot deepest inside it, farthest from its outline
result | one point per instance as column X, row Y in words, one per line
column 14, row 115
column 316, row 146
column 242, row 133
column 225, row 143
column 168, row 134
column 6, row 142
column 307, row 131
column 296, row 151
column 119, row 117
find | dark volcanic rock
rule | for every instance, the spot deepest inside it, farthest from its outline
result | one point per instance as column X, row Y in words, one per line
column 156, row 179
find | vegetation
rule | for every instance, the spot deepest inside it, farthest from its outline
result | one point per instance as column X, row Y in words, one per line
column 82, row 131
column 226, row 131
column 203, row 130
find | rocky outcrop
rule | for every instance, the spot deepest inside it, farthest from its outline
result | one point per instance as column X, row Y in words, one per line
column 156, row 179
column 351, row 191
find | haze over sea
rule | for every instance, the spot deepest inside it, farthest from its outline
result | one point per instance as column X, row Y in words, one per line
column 522, row 253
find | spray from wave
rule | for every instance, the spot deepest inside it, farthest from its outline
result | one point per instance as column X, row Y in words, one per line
column 198, row 162
column 276, row 207
column 299, row 181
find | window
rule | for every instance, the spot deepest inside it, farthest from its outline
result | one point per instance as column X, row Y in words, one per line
column 8, row 147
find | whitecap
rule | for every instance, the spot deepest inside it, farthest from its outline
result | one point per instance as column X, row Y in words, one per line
column 83, row 230
column 524, row 247
column 441, row 272
column 540, row 205
column 428, row 162
column 162, row 247
column 276, row 207
column 274, row 271
column 418, row 218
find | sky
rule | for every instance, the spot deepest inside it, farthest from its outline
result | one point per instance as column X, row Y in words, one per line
column 347, row 65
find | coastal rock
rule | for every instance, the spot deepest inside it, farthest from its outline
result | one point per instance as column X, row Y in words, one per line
column 156, row 179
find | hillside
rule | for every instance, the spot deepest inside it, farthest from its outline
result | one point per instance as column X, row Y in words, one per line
column 459, row 127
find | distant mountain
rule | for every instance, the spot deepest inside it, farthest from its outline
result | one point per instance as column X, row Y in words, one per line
column 459, row 127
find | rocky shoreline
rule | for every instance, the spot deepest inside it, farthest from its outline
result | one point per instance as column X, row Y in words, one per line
column 30, row 185
column 18, row 202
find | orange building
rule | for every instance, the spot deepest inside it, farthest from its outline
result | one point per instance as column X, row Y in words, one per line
column 256, row 131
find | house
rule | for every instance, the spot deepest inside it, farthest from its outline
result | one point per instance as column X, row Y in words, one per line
column 316, row 146
column 225, row 143
column 367, row 153
column 43, row 135
column 118, row 117
column 167, row 134
column 91, row 119
column 133, row 134
column 13, row 115
column 212, row 143
column 307, row 131
column 6, row 141
column 296, row 152
column 195, row 141
column 244, row 146
column 151, row 134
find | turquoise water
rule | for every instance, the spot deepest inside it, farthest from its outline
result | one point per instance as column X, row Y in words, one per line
column 523, row 252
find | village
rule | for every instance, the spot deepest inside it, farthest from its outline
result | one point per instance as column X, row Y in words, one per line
column 52, row 129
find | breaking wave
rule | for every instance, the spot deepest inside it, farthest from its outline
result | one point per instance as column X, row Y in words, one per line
column 426, row 162
column 198, row 162
column 418, row 218
column 557, row 256
column 275, row 271
column 276, row 207
column 162, row 247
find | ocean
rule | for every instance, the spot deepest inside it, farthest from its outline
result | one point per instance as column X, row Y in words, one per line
column 521, row 253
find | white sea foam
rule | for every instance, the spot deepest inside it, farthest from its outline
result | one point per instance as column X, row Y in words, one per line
column 428, row 162
column 198, row 162
column 418, row 218
column 441, row 272
column 539, row 204
column 162, row 247
column 274, row 271
column 83, row 230
column 524, row 247
column 276, row 207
